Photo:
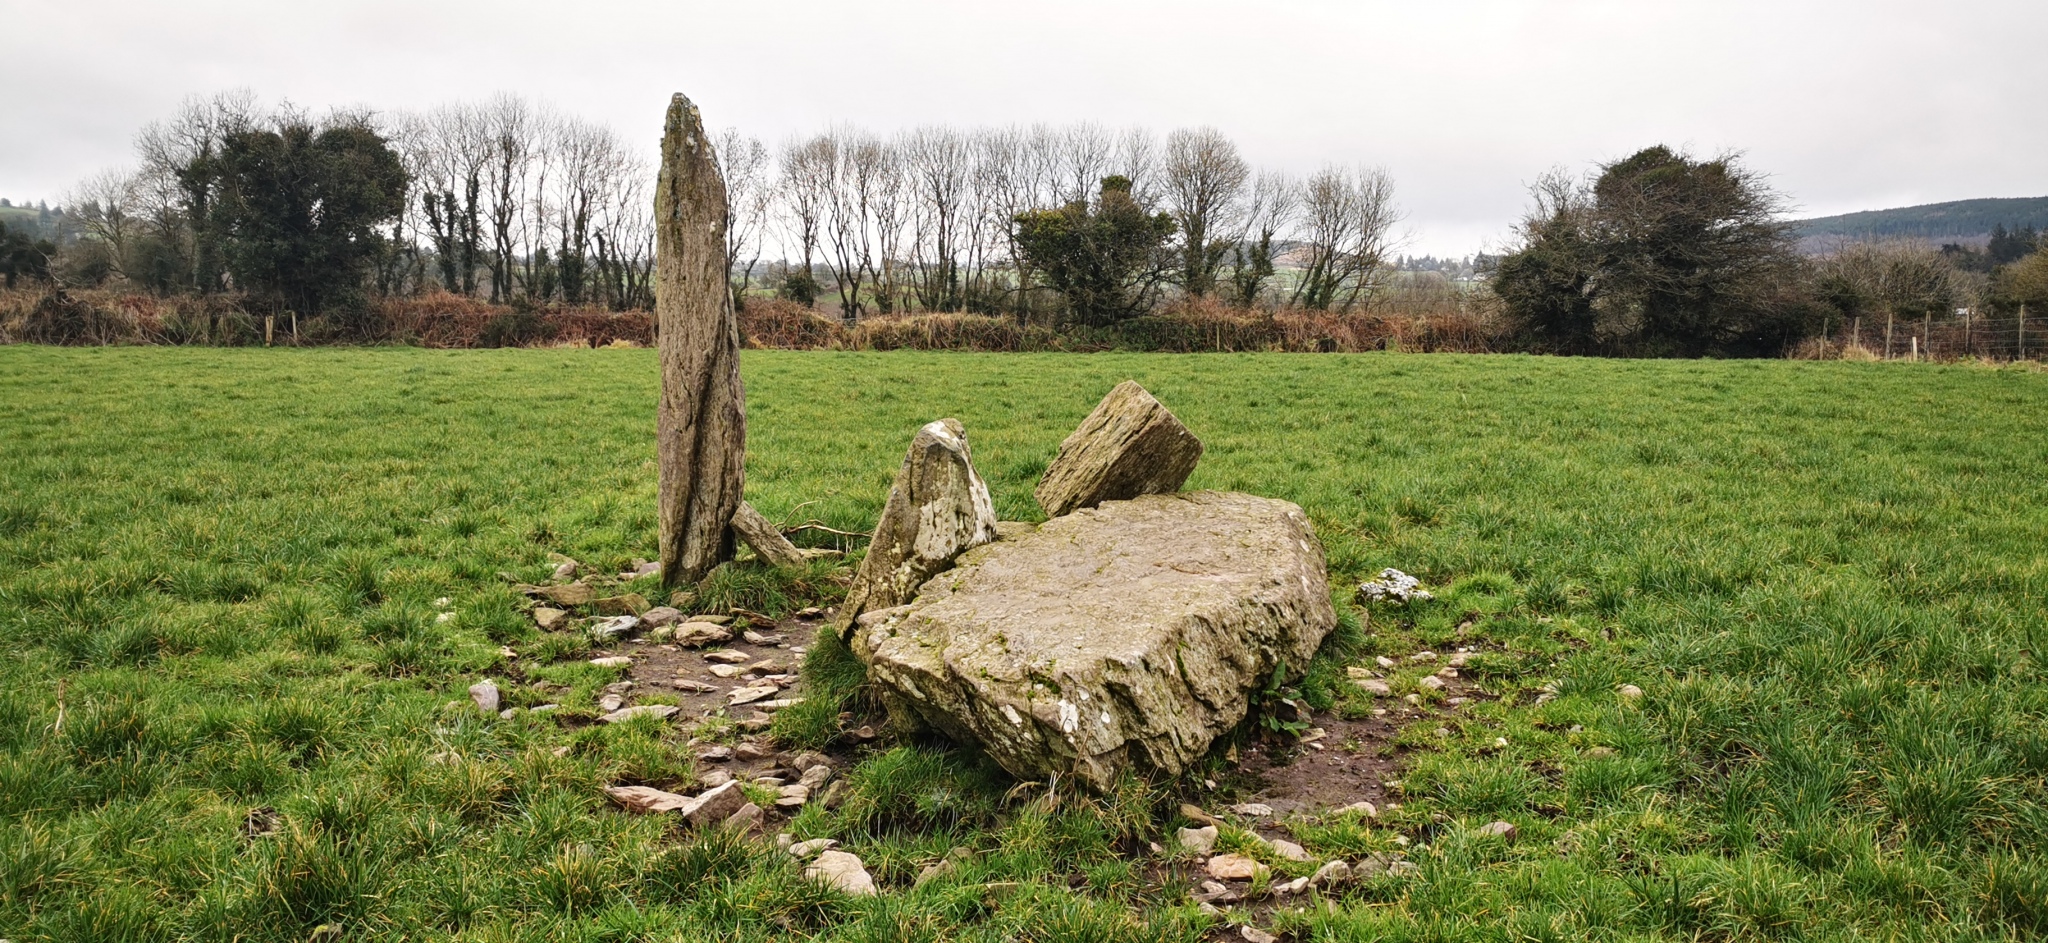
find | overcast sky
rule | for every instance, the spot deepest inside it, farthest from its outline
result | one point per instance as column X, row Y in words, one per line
column 1857, row 104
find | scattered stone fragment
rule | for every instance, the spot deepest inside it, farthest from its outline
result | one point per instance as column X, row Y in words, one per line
column 485, row 695
column 1331, row 874
column 1129, row 445
column 749, row 695
column 728, row 657
column 1431, row 682
column 713, row 778
column 727, row 671
column 1393, row 586
column 1423, row 656
column 1504, row 830
column 1630, row 692
column 717, row 754
column 835, row 793
column 1364, row 808
column 1374, row 687
column 1200, row 841
column 646, row 799
column 793, row 795
column 662, row 711
column 1289, row 850
column 816, row 777
column 750, row 750
column 630, row 604
column 746, row 819
column 694, row 687
column 1256, row 810
column 550, row 619
column 1291, row 888
column 1255, row 935
column 614, row 627
column 661, row 615
column 567, row 594
column 1459, row 660
column 1212, row 891
column 771, row 706
column 712, row 617
column 1403, row 868
column 937, row 509
column 611, row 702
column 842, row 872
column 714, row 805
column 808, row 613
column 756, row 638
column 756, row 619
column 1447, row 673
column 613, row 661
column 816, row 846
column 642, row 569
column 1234, row 868
column 1195, row 814
column 809, row 758
column 564, row 571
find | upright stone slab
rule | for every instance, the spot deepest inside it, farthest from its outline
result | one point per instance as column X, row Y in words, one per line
column 938, row 508
column 1129, row 446
column 701, row 426
column 1128, row 635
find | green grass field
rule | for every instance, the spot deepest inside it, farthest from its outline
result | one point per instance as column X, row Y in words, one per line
column 222, row 568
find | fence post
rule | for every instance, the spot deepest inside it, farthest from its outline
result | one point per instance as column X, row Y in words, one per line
column 1856, row 331
column 1916, row 350
column 269, row 328
column 1927, row 334
column 2022, row 334
column 1888, row 335
column 1969, row 347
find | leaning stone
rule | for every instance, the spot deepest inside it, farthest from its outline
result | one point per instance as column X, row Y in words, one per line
column 661, row 711
column 762, row 535
column 842, row 872
column 1199, row 841
column 714, row 805
column 1129, row 446
column 938, row 508
column 646, row 799
column 1130, row 635
column 485, row 695
column 701, row 423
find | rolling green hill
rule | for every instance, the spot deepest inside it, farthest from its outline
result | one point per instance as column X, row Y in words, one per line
column 1944, row 222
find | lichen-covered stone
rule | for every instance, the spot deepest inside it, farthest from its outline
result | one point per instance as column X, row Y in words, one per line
column 1130, row 445
column 937, row 509
column 1132, row 634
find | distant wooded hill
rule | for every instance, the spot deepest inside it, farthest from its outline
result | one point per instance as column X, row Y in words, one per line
column 1963, row 221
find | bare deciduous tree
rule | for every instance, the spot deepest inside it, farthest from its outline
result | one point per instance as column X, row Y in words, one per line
column 1203, row 179
column 744, row 162
column 1347, row 216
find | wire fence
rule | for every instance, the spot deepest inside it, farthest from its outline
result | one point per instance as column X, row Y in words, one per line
column 1964, row 336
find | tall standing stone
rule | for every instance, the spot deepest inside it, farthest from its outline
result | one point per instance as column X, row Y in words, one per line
column 701, row 429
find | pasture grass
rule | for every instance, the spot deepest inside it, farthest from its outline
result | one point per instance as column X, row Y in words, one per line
column 226, row 670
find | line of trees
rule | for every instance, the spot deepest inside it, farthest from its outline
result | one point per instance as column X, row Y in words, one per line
column 511, row 202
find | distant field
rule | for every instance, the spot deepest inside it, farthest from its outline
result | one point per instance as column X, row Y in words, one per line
column 1828, row 578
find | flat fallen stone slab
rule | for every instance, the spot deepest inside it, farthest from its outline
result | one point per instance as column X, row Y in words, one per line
column 1132, row 634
